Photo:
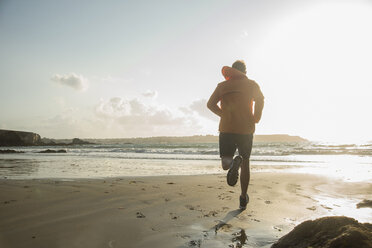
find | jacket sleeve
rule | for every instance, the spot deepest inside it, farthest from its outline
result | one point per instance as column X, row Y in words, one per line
column 258, row 103
column 212, row 103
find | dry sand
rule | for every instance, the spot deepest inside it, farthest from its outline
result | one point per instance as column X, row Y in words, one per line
column 172, row 211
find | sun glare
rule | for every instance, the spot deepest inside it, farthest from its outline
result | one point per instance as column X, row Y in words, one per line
column 320, row 57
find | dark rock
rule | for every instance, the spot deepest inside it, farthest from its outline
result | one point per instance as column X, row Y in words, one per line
column 53, row 151
column 365, row 204
column 64, row 142
column 48, row 142
column 328, row 232
column 77, row 141
column 18, row 138
column 10, row 151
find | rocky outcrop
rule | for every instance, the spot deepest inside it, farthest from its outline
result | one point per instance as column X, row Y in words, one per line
column 365, row 204
column 77, row 141
column 328, row 232
column 18, row 138
column 65, row 142
column 7, row 151
column 53, row 151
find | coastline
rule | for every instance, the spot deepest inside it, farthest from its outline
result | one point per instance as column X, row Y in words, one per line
column 168, row 211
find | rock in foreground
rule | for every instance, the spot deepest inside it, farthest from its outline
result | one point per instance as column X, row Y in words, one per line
column 328, row 232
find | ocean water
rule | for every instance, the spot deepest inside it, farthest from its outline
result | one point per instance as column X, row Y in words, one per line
column 350, row 162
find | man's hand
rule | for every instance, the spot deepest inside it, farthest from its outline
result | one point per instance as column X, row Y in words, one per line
column 215, row 108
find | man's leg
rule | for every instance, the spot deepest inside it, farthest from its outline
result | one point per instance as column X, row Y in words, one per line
column 245, row 148
column 245, row 176
column 226, row 162
column 227, row 149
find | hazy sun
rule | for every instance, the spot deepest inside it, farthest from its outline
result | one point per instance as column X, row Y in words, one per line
column 320, row 57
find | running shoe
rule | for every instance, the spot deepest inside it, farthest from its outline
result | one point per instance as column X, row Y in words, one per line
column 243, row 202
column 233, row 173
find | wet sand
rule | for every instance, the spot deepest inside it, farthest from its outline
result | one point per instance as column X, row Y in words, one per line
column 171, row 211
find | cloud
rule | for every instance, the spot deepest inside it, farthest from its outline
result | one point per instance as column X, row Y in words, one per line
column 200, row 107
column 77, row 82
column 134, row 118
column 69, row 122
column 150, row 93
column 119, row 117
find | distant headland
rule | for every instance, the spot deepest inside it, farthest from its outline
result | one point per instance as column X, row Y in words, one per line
column 21, row 138
column 196, row 139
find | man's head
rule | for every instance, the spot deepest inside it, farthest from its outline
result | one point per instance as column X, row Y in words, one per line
column 240, row 66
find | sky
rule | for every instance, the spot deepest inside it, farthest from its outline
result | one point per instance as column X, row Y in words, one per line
column 116, row 69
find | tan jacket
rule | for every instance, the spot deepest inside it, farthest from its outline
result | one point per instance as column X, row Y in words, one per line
column 237, row 95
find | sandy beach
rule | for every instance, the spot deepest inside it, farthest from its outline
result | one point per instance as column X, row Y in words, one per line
column 171, row 211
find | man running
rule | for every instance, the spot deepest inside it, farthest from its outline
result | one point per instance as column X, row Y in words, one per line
column 238, row 95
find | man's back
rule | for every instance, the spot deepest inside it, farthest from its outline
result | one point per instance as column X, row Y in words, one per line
column 237, row 95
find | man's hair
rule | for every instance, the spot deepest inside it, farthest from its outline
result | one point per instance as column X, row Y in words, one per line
column 240, row 66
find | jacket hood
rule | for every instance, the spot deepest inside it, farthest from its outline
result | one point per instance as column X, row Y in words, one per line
column 230, row 73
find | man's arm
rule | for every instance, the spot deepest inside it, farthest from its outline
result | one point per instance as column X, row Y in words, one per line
column 258, row 104
column 213, row 101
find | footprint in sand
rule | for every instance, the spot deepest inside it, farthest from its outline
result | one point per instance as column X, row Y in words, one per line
column 222, row 226
column 190, row 207
column 277, row 228
column 140, row 215
column 223, row 197
column 313, row 208
column 173, row 216
column 211, row 213
column 133, row 181
column 241, row 217
column 184, row 236
column 195, row 243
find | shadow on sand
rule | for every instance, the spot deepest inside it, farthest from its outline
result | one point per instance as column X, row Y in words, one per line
column 229, row 216
column 238, row 239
